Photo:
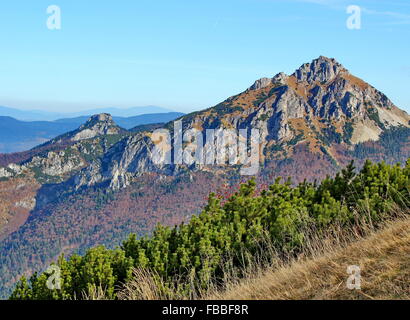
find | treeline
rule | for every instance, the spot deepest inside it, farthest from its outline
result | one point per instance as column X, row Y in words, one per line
column 195, row 252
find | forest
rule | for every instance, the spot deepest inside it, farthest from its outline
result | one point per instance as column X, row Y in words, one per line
column 235, row 226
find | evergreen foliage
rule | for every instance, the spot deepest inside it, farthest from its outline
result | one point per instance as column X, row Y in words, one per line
column 196, row 250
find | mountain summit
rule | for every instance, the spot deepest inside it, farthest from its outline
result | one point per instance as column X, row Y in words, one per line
column 323, row 90
column 97, row 125
column 320, row 111
column 322, row 69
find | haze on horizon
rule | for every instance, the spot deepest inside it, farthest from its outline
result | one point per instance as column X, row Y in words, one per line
column 188, row 56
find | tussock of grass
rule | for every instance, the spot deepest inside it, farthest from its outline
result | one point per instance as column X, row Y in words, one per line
column 144, row 286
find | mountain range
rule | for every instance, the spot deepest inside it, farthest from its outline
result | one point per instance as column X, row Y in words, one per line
column 42, row 115
column 98, row 183
column 17, row 135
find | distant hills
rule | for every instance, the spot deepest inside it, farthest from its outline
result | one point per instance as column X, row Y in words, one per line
column 40, row 115
column 17, row 135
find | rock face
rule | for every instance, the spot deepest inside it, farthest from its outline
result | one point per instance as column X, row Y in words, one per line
column 97, row 125
column 320, row 99
column 5, row 173
column 320, row 70
column 320, row 104
column 261, row 83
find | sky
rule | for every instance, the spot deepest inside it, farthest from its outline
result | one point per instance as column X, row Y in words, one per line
column 189, row 55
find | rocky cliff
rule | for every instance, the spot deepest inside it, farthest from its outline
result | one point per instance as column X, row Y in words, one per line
column 321, row 105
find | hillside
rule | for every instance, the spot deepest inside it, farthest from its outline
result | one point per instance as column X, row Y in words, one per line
column 383, row 258
column 51, row 163
column 230, row 234
column 99, row 183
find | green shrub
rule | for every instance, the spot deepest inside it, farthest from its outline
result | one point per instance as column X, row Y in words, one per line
column 196, row 250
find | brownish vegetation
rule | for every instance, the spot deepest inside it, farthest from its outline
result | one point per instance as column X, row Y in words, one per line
column 383, row 258
column 17, row 198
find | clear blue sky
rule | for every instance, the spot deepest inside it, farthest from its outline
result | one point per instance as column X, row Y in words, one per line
column 189, row 55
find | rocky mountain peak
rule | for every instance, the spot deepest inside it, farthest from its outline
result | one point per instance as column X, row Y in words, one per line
column 320, row 108
column 280, row 78
column 322, row 69
column 97, row 125
column 102, row 118
column 261, row 83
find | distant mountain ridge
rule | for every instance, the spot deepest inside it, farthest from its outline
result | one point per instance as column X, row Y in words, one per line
column 16, row 135
column 41, row 115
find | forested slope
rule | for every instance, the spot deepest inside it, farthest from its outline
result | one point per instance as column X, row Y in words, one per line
column 237, row 226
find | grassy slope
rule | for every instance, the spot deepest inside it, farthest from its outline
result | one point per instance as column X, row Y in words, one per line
column 384, row 259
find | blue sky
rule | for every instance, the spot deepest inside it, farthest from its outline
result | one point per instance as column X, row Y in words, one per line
column 189, row 55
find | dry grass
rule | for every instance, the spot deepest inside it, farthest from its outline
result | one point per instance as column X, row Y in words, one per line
column 143, row 286
column 94, row 293
column 383, row 257
column 319, row 272
column 356, row 81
